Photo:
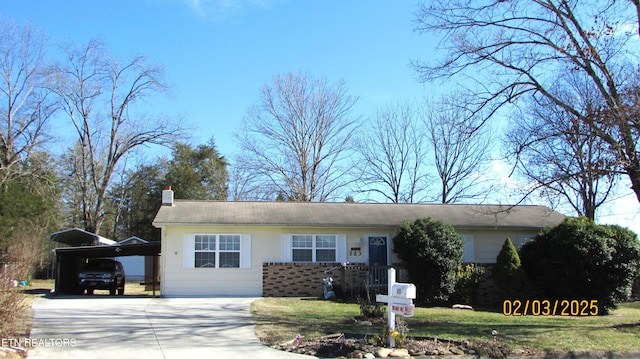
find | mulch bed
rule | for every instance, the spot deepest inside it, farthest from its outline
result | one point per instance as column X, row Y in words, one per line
column 340, row 346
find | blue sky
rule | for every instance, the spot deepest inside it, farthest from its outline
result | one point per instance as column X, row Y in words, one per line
column 217, row 54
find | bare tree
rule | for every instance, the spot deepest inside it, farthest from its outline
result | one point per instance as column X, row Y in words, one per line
column 391, row 152
column 296, row 135
column 247, row 185
column 25, row 103
column 636, row 4
column 99, row 95
column 461, row 148
column 517, row 47
column 562, row 156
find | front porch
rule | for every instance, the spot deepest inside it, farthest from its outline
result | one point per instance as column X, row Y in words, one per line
column 306, row 279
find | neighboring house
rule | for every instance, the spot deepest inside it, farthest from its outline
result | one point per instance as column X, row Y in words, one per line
column 133, row 265
column 286, row 248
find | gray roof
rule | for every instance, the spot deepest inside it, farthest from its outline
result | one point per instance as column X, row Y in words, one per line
column 79, row 237
column 135, row 240
column 329, row 214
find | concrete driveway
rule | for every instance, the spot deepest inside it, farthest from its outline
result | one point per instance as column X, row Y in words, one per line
column 125, row 327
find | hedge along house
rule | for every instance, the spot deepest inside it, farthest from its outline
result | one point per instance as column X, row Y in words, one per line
column 212, row 248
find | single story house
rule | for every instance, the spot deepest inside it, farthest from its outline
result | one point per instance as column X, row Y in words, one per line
column 212, row 248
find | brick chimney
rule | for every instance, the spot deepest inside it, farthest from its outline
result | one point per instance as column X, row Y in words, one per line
column 167, row 197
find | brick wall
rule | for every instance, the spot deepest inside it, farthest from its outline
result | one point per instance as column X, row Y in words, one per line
column 306, row 279
column 491, row 295
column 488, row 293
column 298, row 279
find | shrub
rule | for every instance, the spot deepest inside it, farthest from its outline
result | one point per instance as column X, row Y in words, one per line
column 467, row 278
column 579, row 259
column 12, row 306
column 17, row 261
column 370, row 309
column 508, row 271
column 432, row 252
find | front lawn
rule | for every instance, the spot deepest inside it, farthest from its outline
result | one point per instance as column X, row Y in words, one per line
column 280, row 319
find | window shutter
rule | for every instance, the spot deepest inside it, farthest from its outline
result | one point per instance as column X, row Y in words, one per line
column 245, row 251
column 341, row 248
column 286, row 248
column 469, row 255
column 188, row 253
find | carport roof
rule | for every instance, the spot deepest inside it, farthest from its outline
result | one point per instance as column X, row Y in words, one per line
column 79, row 237
column 144, row 249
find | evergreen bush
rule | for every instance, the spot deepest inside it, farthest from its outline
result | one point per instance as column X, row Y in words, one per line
column 432, row 252
column 580, row 260
column 508, row 272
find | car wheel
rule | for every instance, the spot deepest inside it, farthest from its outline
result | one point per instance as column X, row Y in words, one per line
column 112, row 291
column 90, row 291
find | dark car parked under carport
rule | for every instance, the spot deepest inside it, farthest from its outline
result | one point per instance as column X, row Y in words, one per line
column 102, row 273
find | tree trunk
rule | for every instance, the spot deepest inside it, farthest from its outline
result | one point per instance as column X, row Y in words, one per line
column 634, row 175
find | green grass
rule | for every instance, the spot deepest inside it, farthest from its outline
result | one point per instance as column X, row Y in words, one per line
column 280, row 319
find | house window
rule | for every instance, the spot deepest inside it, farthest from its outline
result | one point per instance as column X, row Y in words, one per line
column 205, row 251
column 214, row 251
column 230, row 251
column 313, row 248
column 302, row 248
column 325, row 248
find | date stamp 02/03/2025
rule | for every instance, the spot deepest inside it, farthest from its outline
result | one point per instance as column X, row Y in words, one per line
column 547, row 307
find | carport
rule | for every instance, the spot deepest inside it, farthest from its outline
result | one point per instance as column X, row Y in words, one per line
column 70, row 260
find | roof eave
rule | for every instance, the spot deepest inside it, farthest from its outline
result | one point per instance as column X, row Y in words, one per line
column 334, row 225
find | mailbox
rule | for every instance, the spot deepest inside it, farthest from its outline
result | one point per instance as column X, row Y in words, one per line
column 403, row 290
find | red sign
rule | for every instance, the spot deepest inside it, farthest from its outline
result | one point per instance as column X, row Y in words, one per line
column 403, row 309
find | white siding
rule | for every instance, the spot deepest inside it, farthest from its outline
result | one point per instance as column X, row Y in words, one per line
column 488, row 243
column 180, row 278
